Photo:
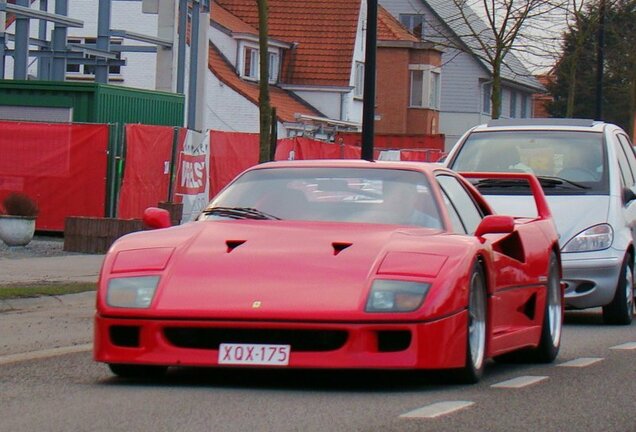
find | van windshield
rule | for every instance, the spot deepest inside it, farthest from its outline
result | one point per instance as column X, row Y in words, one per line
column 566, row 162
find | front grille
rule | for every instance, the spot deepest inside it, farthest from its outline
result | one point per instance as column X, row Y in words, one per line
column 299, row 340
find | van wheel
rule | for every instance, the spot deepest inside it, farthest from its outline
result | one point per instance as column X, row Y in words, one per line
column 621, row 310
column 550, row 341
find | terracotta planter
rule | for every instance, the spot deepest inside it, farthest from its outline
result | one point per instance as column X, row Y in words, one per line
column 17, row 230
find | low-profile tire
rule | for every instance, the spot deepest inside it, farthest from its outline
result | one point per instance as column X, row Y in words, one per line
column 621, row 309
column 476, row 329
column 550, row 341
column 137, row 371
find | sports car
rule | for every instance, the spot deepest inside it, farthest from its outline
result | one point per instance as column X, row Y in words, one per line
column 335, row 264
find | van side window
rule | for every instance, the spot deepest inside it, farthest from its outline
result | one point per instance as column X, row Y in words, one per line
column 626, row 172
column 629, row 153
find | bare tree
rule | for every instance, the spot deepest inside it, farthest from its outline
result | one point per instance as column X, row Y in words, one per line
column 491, row 29
column 264, row 106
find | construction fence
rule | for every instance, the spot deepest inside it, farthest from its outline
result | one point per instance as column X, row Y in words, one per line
column 115, row 170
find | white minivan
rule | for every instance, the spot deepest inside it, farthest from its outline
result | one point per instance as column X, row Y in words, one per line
column 588, row 173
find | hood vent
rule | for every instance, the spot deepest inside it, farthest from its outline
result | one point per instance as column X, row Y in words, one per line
column 233, row 244
column 339, row 247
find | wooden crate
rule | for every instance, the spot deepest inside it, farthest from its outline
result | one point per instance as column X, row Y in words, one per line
column 96, row 235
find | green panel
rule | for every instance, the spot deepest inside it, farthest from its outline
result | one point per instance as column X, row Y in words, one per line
column 97, row 103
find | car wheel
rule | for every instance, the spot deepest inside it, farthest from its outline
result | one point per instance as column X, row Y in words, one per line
column 476, row 332
column 550, row 341
column 621, row 310
column 137, row 371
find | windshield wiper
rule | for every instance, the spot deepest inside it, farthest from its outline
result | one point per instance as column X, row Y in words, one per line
column 240, row 213
column 549, row 181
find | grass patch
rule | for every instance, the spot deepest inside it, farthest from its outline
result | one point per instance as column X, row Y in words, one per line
column 13, row 291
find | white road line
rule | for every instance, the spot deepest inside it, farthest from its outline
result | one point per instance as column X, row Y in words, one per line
column 437, row 409
column 625, row 346
column 35, row 355
column 520, row 382
column 581, row 362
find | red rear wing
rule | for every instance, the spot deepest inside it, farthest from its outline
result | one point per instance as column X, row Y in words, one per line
column 543, row 210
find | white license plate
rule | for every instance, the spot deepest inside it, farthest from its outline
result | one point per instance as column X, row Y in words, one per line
column 254, row 354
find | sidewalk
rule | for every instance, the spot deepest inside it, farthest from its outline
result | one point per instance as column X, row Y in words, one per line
column 43, row 260
column 67, row 268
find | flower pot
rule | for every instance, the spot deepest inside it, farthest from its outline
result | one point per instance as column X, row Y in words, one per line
column 17, row 230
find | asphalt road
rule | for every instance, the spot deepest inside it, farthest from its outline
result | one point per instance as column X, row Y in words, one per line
column 48, row 382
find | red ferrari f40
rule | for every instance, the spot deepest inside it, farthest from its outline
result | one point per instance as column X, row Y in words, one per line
column 335, row 264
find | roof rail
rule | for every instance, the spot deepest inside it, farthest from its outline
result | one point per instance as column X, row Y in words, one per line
column 543, row 122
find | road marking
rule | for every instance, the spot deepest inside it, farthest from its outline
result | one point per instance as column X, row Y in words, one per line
column 437, row 409
column 581, row 362
column 35, row 355
column 520, row 382
column 625, row 346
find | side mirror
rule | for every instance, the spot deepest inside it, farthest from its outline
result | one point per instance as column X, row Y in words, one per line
column 155, row 217
column 495, row 224
column 628, row 195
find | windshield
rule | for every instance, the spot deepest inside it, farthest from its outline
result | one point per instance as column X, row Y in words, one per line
column 566, row 162
column 328, row 194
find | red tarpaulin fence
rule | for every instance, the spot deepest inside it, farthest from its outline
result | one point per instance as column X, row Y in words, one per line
column 61, row 166
column 146, row 176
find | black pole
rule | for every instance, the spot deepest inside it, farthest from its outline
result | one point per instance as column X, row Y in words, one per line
column 368, row 107
column 600, row 48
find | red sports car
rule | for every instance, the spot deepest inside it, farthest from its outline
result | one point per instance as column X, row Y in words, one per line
column 335, row 264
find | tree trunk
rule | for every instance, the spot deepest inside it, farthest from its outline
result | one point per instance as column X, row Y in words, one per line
column 569, row 109
column 263, row 84
column 495, row 98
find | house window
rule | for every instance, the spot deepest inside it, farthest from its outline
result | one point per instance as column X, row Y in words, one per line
column 251, row 64
column 486, row 92
column 82, row 71
column 513, row 104
column 434, row 96
column 414, row 24
column 358, row 89
column 524, row 106
column 425, row 87
column 273, row 67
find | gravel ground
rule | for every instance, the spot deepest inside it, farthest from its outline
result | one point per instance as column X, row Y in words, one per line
column 40, row 246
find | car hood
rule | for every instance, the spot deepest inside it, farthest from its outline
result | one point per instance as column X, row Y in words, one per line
column 571, row 214
column 271, row 269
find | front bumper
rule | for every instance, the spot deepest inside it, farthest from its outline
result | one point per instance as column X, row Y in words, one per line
column 431, row 345
column 590, row 280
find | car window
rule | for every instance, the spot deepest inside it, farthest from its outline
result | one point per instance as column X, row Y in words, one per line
column 458, row 200
column 384, row 196
column 571, row 156
column 628, row 151
column 626, row 174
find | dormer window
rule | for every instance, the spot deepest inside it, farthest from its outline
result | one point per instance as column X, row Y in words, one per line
column 250, row 62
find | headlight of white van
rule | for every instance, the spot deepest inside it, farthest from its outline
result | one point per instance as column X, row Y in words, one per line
column 594, row 238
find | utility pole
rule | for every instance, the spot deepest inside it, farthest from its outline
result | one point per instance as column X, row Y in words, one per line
column 368, row 107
